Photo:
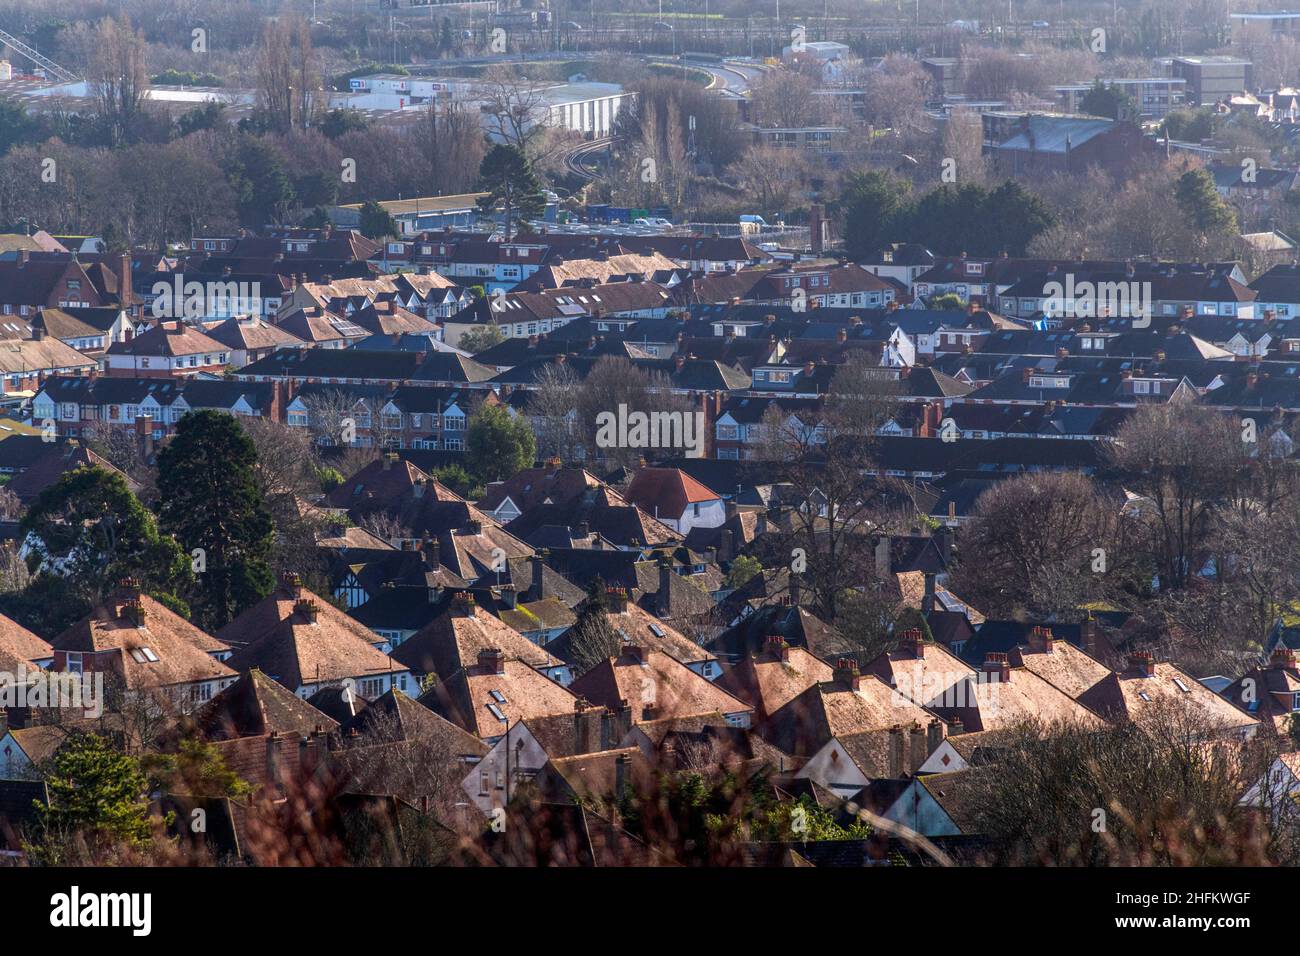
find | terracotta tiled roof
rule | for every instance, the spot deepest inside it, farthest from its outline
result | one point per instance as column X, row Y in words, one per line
column 255, row 705
column 395, row 716
column 453, row 640
column 278, row 636
column 183, row 652
column 836, row 709
column 655, row 685
column 1066, row 666
column 516, row 691
column 1135, row 696
column 667, row 491
column 992, row 703
column 775, row 677
column 169, row 339
column 21, row 643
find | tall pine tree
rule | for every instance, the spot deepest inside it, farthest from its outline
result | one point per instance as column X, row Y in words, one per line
column 508, row 178
column 211, row 503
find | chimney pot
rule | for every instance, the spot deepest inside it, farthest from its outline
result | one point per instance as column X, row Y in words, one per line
column 492, row 659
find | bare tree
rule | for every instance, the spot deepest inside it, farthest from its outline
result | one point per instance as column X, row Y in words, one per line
column 331, row 416
column 1044, row 544
column 116, row 74
column 453, row 147
column 784, row 99
column 823, row 539
column 289, row 84
column 517, row 107
column 1186, row 461
column 552, row 408
column 773, row 176
column 1131, row 795
column 613, row 383
column 387, row 526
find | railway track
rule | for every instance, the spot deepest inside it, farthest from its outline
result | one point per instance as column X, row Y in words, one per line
column 575, row 159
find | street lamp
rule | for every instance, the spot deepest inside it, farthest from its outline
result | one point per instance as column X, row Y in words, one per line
column 671, row 32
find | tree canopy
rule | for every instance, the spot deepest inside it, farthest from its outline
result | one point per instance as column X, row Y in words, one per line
column 211, row 501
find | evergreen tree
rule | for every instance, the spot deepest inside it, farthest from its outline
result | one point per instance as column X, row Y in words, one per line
column 90, row 531
column 874, row 204
column 1104, row 100
column 498, row 444
column 96, row 794
column 507, row 177
column 1200, row 202
column 261, row 182
column 210, row 501
column 376, row 222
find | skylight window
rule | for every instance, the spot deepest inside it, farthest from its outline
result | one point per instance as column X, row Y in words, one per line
column 1178, row 681
column 499, row 697
column 496, row 712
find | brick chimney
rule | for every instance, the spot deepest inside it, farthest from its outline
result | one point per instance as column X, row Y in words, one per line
column 634, row 651
column 307, row 609
column 291, row 582
column 124, row 290
column 897, row 751
column 1142, row 663
column 1041, row 639
column 847, row 674
column 509, row 596
column 616, row 600
column 997, row 663
column 934, row 735
column 133, row 612
column 492, row 660
column 726, row 545
column 917, row 742
column 537, row 561
column 586, row 726
column 463, row 604
column 666, row 575
column 1282, row 658
column 779, row 647
column 144, row 434
column 914, row 643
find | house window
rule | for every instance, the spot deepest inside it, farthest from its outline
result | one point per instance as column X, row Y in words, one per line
column 74, row 662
